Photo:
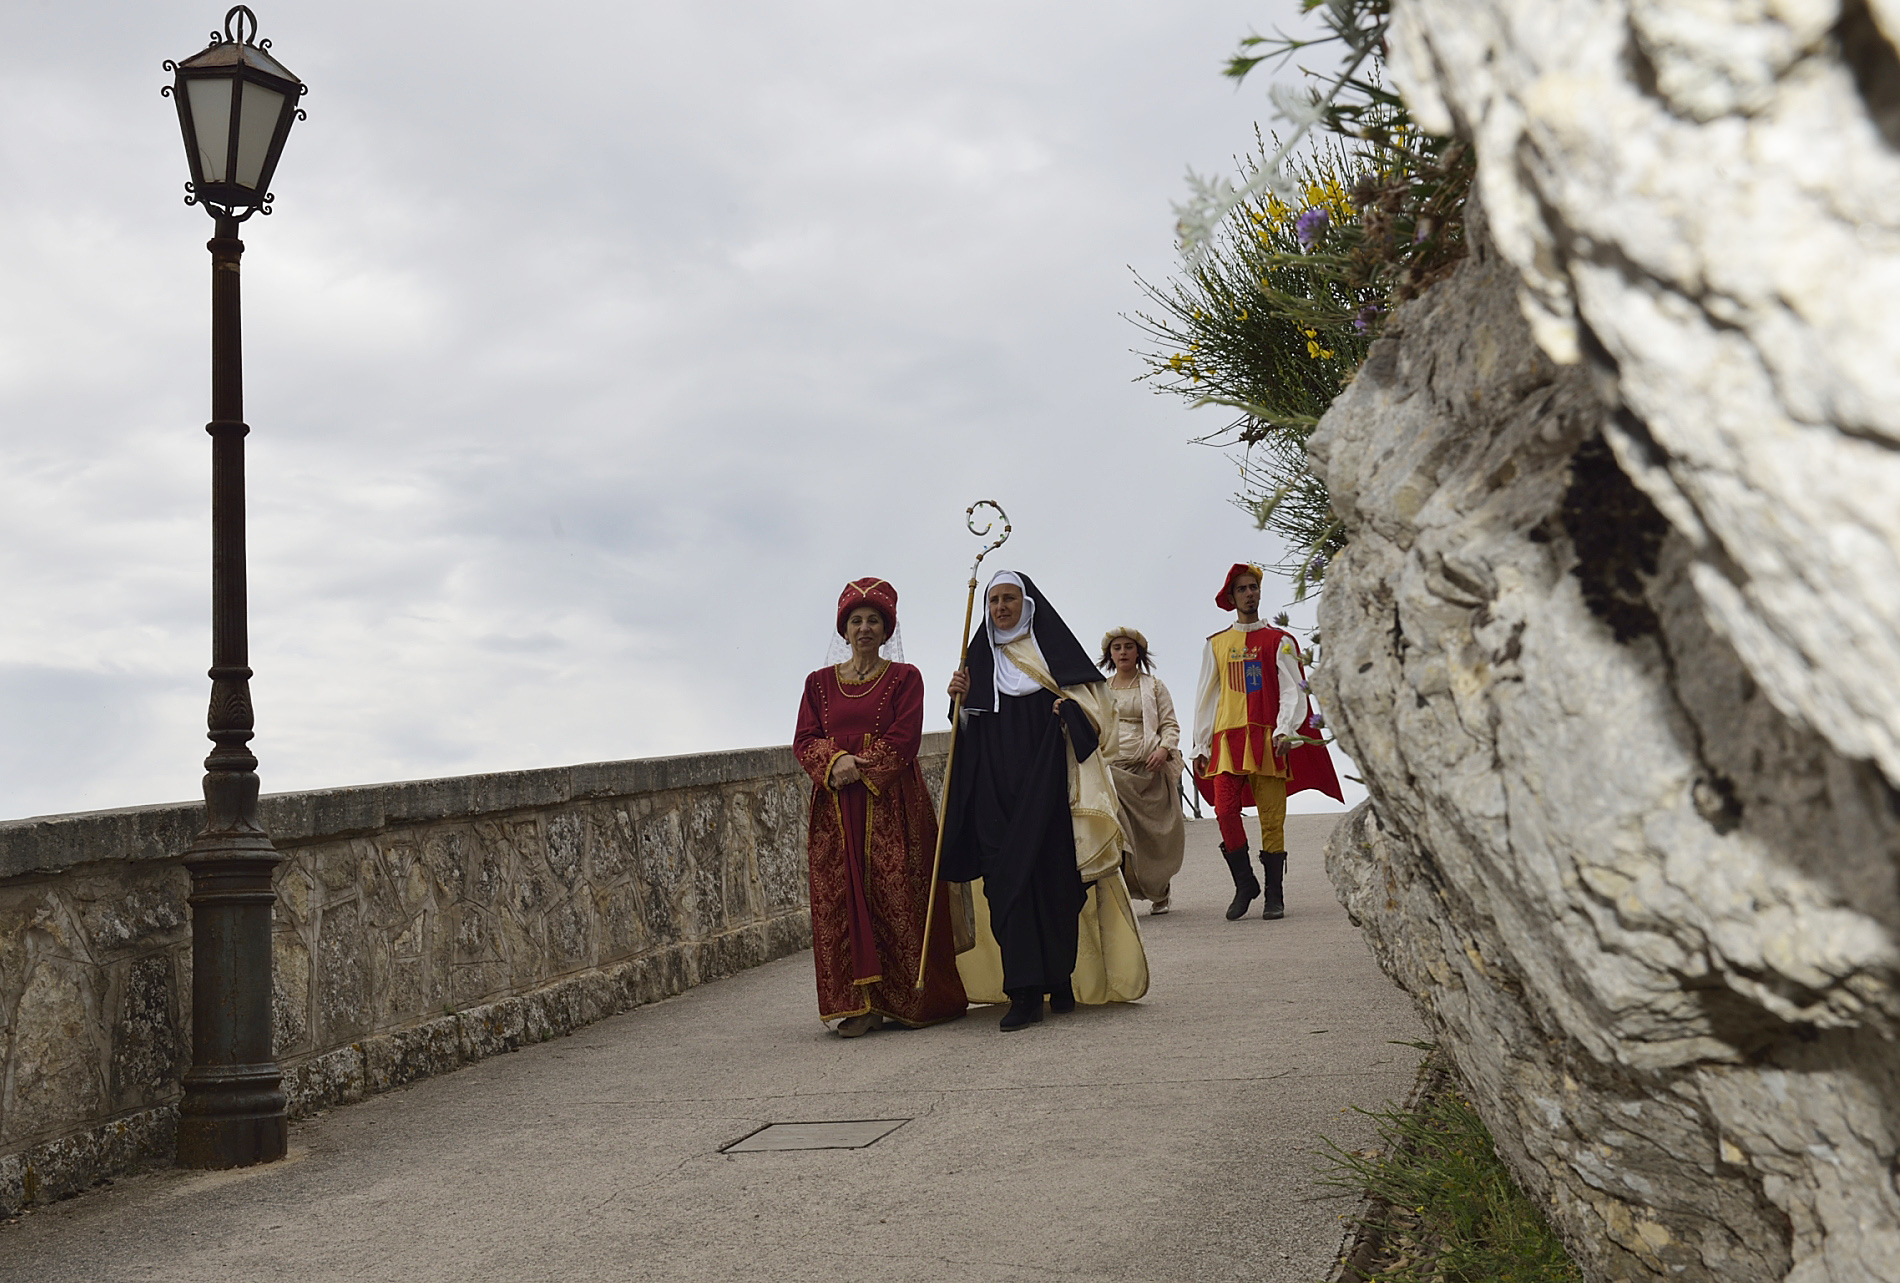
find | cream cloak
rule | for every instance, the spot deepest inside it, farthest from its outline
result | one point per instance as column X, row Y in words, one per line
column 1110, row 964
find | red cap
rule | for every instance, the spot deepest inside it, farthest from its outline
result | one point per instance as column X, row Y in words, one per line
column 869, row 592
column 1225, row 597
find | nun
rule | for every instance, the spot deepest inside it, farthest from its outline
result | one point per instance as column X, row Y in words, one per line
column 1031, row 819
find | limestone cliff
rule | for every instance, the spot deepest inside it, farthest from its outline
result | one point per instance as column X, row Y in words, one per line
column 1616, row 642
column 1702, row 198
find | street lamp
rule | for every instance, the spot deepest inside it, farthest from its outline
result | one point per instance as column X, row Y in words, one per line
column 236, row 104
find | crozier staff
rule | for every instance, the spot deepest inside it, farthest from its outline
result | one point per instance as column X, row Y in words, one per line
column 1058, row 920
column 873, row 832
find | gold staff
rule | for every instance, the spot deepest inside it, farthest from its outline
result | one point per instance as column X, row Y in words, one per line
column 956, row 709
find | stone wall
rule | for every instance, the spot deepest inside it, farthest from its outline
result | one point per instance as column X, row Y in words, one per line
column 419, row 927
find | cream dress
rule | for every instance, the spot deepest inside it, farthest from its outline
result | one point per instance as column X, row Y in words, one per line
column 1154, row 838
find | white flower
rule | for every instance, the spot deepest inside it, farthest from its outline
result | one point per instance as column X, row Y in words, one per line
column 1297, row 106
column 1211, row 200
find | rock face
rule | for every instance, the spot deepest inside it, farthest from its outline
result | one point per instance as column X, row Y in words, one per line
column 1702, row 198
column 1616, row 642
column 1650, row 912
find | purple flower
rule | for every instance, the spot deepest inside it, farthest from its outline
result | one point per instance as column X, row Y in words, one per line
column 1309, row 225
column 1317, row 565
column 1367, row 315
column 1281, row 620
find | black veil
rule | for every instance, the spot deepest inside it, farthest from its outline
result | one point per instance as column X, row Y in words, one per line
column 1069, row 664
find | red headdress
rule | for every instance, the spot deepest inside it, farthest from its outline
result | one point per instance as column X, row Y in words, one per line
column 1225, row 597
column 869, row 592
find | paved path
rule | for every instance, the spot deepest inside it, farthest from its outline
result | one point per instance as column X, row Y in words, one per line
column 1160, row 1141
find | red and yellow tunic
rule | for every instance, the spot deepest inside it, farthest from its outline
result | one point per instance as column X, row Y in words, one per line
column 1246, row 699
column 1252, row 689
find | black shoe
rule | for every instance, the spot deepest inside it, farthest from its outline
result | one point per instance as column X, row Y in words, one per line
column 1024, row 1009
column 1246, row 885
column 1273, row 869
column 1062, row 1001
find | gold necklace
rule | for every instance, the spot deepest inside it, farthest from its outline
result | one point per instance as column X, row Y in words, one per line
column 861, row 680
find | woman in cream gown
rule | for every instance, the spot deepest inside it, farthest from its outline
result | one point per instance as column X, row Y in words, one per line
column 1144, row 759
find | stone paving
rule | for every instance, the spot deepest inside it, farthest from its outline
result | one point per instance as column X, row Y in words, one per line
column 1166, row 1140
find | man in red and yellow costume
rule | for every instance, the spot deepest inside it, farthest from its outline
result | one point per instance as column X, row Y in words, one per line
column 1252, row 724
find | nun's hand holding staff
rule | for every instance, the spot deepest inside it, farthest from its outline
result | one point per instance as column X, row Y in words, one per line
column 959, row 686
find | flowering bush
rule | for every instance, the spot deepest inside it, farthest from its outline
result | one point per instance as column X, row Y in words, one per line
column 1288, row 277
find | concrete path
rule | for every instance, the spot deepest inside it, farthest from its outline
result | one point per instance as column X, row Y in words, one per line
column 1160, row 1141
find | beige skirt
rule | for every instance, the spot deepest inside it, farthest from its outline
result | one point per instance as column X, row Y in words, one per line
column 1152, row 827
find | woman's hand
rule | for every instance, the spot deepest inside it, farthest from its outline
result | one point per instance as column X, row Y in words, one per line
column 1157, row 759
column 1056, row 707
column 844, row 770
column 960, row 683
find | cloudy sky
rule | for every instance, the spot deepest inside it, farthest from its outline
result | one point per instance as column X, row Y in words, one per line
column 590, row 350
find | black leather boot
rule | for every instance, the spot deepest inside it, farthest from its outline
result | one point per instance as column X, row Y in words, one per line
column 1025, row 1008
column 1246, row 885
column 1273, row 870
column 1062, row 1001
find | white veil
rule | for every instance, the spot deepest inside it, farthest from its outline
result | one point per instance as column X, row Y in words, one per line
column 1011, row 680
column 892, row 649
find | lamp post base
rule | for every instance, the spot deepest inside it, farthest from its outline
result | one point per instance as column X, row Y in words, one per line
column 232, row 1113
column 232, row 1116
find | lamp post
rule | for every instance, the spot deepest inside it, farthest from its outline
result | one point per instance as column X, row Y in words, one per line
column 236, row 103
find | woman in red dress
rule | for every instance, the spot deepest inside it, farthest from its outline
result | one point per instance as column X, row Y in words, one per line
column 873, row 831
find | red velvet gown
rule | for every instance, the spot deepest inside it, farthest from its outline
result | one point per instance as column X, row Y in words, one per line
column 870, row 846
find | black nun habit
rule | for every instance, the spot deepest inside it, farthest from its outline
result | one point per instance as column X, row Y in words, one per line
column 1007, row 818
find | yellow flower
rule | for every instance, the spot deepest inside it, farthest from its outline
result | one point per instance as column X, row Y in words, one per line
column 1313, row 349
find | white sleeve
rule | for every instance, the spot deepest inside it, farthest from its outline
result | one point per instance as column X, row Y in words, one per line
column 1292, row 694
column 1207, row 699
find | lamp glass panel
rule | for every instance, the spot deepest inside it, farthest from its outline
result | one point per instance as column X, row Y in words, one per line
column 257, row 124
column 211, row 124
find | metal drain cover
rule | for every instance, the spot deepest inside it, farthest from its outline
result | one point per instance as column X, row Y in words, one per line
column 855, row 1134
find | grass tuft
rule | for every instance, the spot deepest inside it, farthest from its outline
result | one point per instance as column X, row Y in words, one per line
column 1441, row 1206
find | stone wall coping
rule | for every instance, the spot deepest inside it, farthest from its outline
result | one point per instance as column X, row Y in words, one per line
column 48, row 843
